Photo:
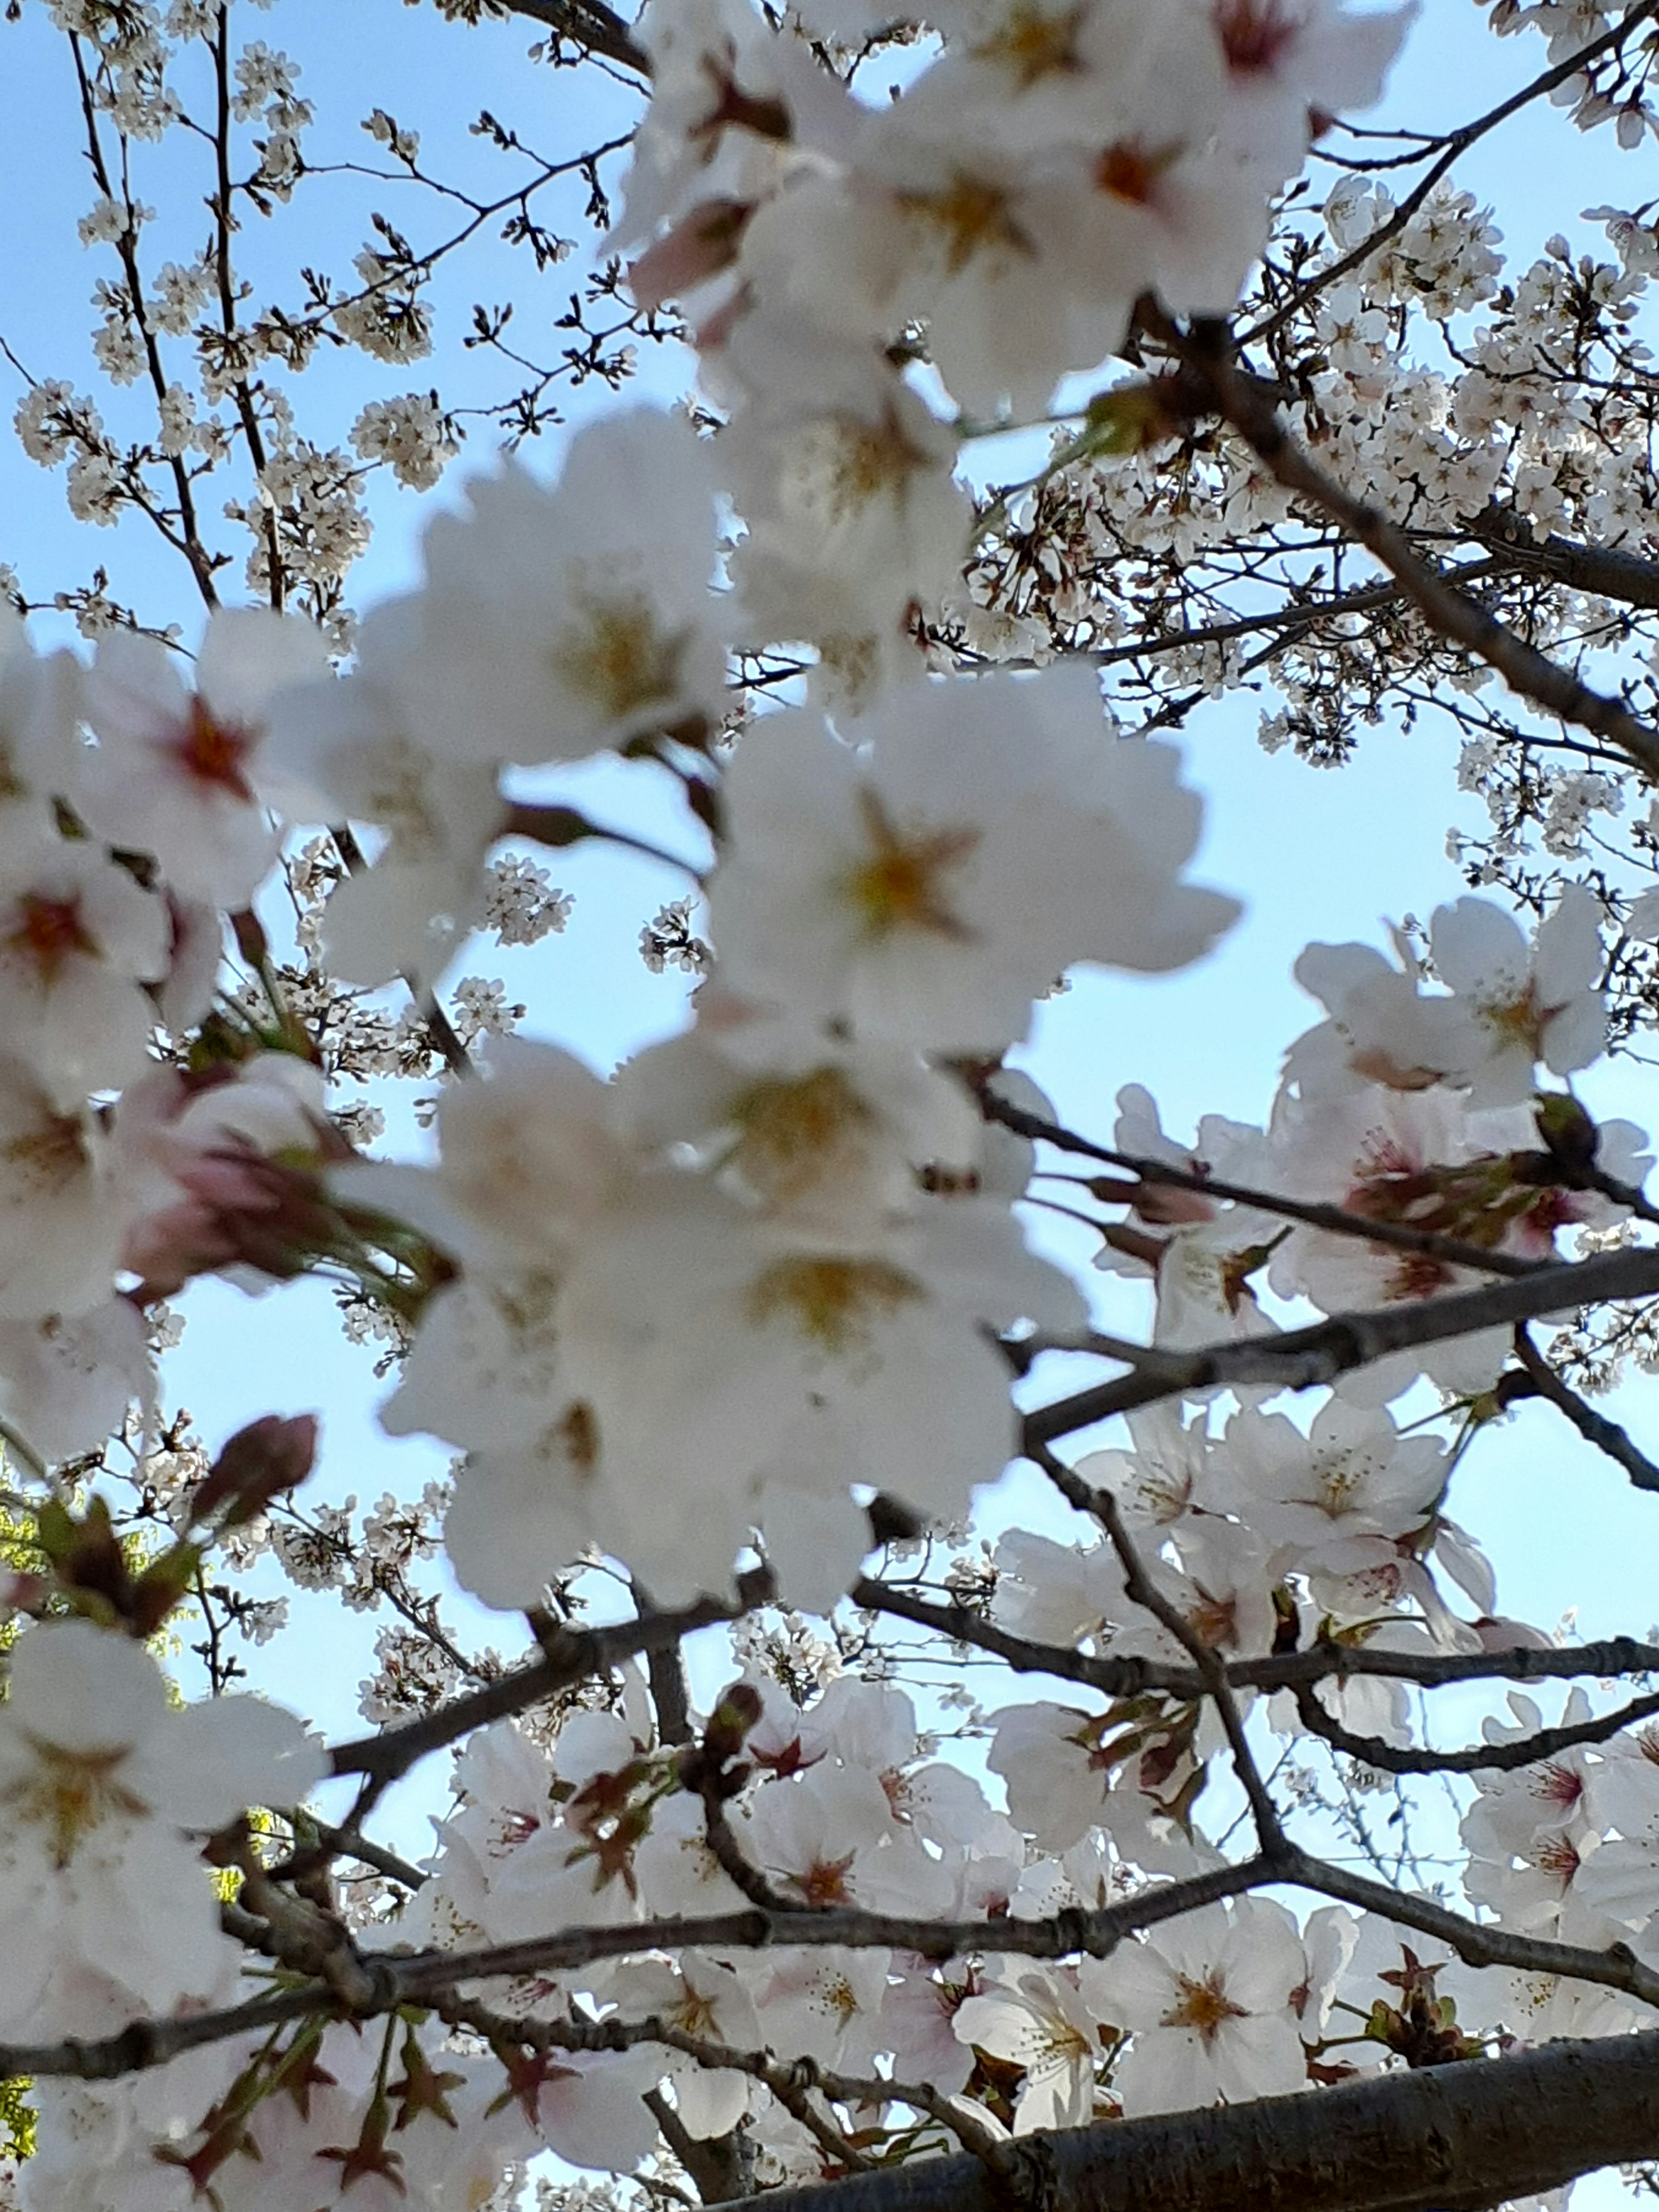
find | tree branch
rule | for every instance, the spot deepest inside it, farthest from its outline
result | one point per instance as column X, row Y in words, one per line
column 1457, row 143
column 1337, row 1220
column 578, row 1652
column 1300, row 1358
column 1604, row 572
column 1595, row 1428
column 1132, row 1677
column 1446, row 2139
column 1482, row 1758
column 1207, row 349
column 589, row 24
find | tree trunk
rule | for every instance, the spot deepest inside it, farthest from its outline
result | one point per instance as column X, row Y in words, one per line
column 1451, row 2139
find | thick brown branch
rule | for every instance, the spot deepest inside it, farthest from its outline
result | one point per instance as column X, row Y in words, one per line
column 588, row 24
column 1131, row 1677
column 1605, row 572
column 1477, row 1943
column 1300, row 1358
column 1445, row 2139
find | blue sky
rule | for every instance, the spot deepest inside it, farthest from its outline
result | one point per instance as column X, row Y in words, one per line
column 1315, row 855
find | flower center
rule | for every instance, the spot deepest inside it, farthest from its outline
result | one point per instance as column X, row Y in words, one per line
column 790, row 1131
column 833, row 1303
column 50, row 933
column 824, row 1882
column 1203, row 2005
column 970, row 214
column 71, row 1793
column 847, row 464
column 1559, row 1785
column 214, row 752
column 1130, row 171
column 1032, row 45
column 1517, row 1021
column 579, row 1433
column 1335, row 1482
column 1417, row 1275
column 614, row 656
column 49, row 1158
column 902, row 884
column 1558, row 1857
column 1253, row 34
column 400, row 796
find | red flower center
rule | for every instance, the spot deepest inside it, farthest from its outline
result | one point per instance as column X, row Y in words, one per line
column 214, row 752
column 49, row 932
column 1253, row 34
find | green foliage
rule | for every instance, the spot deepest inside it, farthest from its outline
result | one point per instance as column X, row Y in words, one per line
column 17, row 2119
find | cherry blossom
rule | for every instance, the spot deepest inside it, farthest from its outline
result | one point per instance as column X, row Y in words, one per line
column 1508, row 1011
column 79, row 937
column 554, row 623
column 101, row 1778
column 897, row 919
column 177, row 773
column 1209, row 2006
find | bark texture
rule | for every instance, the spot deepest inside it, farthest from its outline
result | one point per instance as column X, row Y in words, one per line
column 1450, row 2139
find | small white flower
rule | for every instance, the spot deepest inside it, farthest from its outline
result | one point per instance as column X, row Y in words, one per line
column 101, row 1781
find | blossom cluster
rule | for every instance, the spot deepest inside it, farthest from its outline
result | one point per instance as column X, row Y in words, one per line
column 767, row 1287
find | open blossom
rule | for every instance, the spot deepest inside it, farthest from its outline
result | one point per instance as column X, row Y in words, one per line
column 1057, row 1593
column 827, row 1837
column 40, row 701
column 1208, row 2000
column 530, row 1163
column 141, row 2144
column 1058, row 1767
column 1172, row 1468
column 1338, row 1496
column 109, row 1910
column 968, row 236
column 704, row 1997
column 346, row 751
column 555, row 624
column 829, row 1146
column 78, row 939
column 62, row 1208
column 1512, row 1008
column 845, row 482
column 66, row 1381
column 922, row 887
column 1375, row 1032
column 1041, row 2021
column 718, row 1356
column 708, row 1378
column 178, row 773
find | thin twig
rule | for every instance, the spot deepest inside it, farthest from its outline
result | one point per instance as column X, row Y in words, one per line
column 1457, row 144
column 1337, row 1220
column 1207, row 349
column 1480, row 1758
column 1595, row 1428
